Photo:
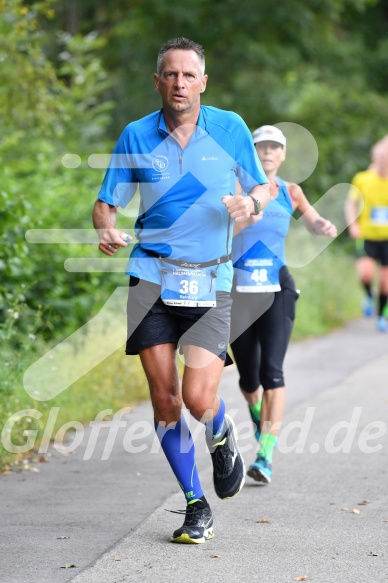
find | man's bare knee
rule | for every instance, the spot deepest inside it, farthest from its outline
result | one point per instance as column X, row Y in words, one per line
column 202, row 404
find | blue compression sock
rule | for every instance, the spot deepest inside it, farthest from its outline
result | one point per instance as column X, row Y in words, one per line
column 214, row 427
column 178, row 447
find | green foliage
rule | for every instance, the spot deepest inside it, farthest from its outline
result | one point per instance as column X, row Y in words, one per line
column 47, row 109
column 330, row 294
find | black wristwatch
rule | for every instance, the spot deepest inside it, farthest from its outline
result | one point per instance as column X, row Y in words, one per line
column 257, row 204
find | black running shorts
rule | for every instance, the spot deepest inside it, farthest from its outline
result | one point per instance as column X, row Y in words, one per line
column 150, row 322
column 377, row 250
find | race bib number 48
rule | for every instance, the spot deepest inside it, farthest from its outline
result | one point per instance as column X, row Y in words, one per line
column 257, row 275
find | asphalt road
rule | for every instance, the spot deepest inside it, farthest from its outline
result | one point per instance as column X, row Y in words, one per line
column 327, row 507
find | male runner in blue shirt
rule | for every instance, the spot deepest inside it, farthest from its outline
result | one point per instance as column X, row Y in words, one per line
column 184, row 159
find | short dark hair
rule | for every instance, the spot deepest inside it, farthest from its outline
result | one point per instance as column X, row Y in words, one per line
column 184, row 44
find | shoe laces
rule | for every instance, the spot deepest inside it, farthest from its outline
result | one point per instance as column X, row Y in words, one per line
column 192, row 513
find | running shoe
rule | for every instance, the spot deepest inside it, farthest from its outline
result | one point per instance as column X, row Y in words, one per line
column 197, row 527
column 261, row 470
column 382, row 324
column 228, row 464
column 367, row 307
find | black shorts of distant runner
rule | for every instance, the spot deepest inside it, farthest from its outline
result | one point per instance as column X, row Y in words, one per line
column 377, row 250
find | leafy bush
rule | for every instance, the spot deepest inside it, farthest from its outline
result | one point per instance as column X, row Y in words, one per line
column 47, row 109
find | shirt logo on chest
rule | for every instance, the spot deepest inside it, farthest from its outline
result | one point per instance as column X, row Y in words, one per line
column 160, row 163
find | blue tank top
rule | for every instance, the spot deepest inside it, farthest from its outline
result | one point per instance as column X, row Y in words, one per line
column 259, row 250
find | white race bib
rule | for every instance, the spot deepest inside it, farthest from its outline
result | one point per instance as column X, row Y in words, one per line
column 188, row 286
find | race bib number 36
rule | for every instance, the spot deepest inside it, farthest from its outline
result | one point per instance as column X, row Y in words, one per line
column 184, row 286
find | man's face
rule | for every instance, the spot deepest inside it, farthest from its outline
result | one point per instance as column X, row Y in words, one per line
column 181, row 81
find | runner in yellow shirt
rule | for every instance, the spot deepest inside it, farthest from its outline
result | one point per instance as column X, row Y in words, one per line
column 369, row 193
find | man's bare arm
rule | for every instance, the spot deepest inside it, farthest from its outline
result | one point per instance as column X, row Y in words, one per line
column 104, row 221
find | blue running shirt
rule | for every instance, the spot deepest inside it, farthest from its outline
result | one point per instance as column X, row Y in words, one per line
column 181, row 215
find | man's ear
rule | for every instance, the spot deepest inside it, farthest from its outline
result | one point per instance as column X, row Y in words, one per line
column 204, row 81
column 156, row 81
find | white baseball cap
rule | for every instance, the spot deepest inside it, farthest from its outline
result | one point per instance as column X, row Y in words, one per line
column 269, row 134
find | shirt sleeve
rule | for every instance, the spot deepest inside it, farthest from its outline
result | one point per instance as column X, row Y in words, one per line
column 249, row 170
column 120, row 181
